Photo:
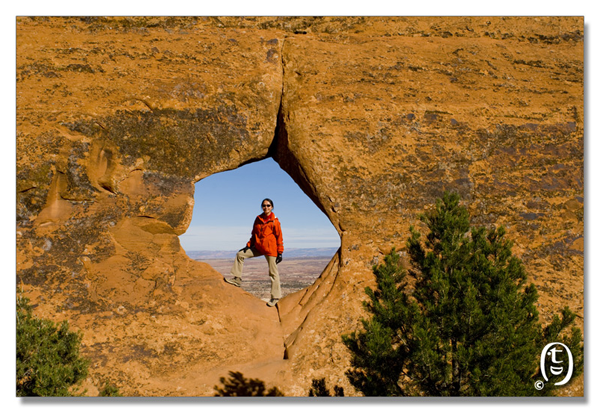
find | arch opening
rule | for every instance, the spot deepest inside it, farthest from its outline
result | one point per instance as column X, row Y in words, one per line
column 225, row 207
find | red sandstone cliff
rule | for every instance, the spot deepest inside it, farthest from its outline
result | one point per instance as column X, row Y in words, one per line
column 374, row 118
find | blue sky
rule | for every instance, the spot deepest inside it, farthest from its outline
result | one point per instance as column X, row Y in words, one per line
column 227, row 203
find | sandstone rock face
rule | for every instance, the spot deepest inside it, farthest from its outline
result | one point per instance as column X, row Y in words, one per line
column 374, row 118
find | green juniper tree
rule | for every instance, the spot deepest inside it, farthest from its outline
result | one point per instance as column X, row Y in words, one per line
column 48, row 359
column 468, row 328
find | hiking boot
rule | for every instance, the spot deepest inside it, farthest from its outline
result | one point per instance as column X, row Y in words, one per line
column 237, row 281
column 273, row 302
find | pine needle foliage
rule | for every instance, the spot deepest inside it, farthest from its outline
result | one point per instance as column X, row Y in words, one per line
column 239, row 386
column 48, row 360
column 470, row 327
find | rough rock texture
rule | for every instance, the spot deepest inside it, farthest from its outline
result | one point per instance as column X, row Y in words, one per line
column 374, row 118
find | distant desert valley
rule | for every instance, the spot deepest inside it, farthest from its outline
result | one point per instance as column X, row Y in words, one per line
column 295, row 272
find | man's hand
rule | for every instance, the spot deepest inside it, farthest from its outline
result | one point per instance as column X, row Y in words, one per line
column 245, row 249
column 278, row 259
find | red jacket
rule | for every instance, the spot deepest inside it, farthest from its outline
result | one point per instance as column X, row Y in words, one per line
column 266, row 236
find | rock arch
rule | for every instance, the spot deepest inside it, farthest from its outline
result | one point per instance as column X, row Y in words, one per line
column 372, row 117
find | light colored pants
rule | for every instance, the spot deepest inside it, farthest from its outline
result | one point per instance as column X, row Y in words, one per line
column 238, row 265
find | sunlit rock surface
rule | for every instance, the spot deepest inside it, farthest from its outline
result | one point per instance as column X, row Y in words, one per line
column 374, row 118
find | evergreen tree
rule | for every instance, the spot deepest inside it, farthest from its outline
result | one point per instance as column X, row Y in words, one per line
column 48, row 360
column 239, row 386
column 461, row 322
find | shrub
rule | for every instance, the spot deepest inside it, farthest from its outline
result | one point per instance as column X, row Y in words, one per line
column 238, row 386
column 110, row 390
column 48, row 360
column 319, row 389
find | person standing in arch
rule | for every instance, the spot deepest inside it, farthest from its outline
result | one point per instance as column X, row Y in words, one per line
column 266, row 240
